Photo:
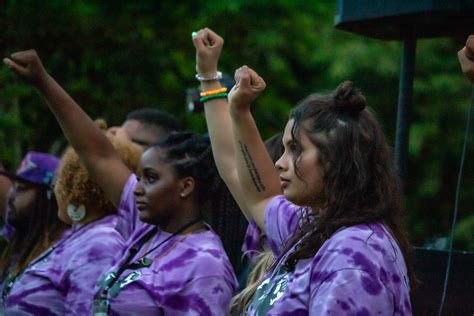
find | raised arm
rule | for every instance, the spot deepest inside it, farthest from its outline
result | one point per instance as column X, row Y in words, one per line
column 208, row 48
column 257, row 174
column 94, row 149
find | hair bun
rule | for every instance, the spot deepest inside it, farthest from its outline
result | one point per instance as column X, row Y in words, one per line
column 348, row 98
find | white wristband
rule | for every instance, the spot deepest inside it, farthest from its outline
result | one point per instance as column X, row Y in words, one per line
column 218, row 76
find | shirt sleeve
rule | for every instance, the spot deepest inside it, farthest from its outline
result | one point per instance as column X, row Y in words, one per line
column 127, row 210
column 205, row 296
column 281, row 222
column 351, row 292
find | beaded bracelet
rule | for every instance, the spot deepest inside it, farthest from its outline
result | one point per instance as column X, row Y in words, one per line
column 218, row 76
column 212, row 92
column 213, row 96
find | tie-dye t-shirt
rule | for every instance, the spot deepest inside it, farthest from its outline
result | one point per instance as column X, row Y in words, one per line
column 61, row 281
column 189, row 274
column 360, row 270
column 253, row 239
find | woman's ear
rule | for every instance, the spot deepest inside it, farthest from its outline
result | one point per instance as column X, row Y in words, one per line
column 187, row 186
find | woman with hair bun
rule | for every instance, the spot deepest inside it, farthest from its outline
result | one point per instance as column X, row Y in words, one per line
column 331, row 210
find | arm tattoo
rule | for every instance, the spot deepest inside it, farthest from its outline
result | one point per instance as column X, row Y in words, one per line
column 257, row 181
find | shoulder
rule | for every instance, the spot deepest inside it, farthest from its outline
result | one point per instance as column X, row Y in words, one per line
column 102, row 230
column 369, row 248
column 198, row 256
column 98, row 239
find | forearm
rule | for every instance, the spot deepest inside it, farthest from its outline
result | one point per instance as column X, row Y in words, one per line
column 83, row 134
column 220, row 132
column 257, row 174
column 219, row 125
column 92, row 146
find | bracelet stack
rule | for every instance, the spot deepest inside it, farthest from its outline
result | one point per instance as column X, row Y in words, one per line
column 213, row 94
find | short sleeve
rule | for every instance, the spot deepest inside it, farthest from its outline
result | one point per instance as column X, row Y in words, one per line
column 350, row 292
column 127, row 210
column 281, row 222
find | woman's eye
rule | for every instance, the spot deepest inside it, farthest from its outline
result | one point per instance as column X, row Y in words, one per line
column 151, row 179
column 294, row 148
column 21, row 188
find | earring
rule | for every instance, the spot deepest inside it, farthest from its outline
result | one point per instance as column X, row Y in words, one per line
column 76, row 214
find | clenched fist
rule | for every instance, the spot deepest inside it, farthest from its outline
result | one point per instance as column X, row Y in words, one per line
column 248, row 86
column 27, row 65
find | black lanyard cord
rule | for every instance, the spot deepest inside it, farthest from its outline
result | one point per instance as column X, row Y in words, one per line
column 134, row 250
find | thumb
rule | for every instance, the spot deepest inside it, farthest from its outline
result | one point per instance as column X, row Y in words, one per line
column 462, row 56
column 20, row 70
column 197, row 41
column 242, row 77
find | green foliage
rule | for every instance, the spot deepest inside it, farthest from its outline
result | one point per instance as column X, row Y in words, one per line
column 113, row 57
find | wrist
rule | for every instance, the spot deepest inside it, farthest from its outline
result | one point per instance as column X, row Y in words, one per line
column 210, row 85
column 239, row 110
column 209, row 77
column 43, row 82
column 207, row 72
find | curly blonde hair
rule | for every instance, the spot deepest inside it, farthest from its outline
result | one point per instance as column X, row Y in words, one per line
column 73, row 184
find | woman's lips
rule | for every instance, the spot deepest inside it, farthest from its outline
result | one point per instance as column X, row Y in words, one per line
column 284, row 183
column 141, row 206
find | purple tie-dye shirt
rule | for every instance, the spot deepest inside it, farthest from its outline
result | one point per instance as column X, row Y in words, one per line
column 254, row 242
column 62, row 282
column 360, row 270
column 190, row 274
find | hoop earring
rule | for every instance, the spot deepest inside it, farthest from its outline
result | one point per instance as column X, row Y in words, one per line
column 76, row 213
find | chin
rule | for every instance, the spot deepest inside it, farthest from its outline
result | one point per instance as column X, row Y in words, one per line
column 145, row 217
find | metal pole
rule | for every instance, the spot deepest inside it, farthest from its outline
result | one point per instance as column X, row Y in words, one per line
column 404, row 105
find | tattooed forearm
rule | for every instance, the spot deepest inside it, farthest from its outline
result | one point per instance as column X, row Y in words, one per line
column 254, row 175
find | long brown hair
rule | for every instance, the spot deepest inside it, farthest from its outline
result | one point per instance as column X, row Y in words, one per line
column 353, row 150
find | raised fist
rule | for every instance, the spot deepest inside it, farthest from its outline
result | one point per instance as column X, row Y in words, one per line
column 248, row 86
column 466, row 59
column 208, row 49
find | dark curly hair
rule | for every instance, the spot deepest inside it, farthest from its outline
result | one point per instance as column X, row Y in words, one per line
column 352, row 149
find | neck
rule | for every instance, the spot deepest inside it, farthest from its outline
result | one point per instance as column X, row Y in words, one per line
column 317, row 206
column 181, row 219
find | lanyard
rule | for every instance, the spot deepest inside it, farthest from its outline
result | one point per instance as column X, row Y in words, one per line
column 143, row 262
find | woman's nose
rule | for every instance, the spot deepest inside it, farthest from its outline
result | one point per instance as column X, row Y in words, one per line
column 138, row 189
column 280, row 163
